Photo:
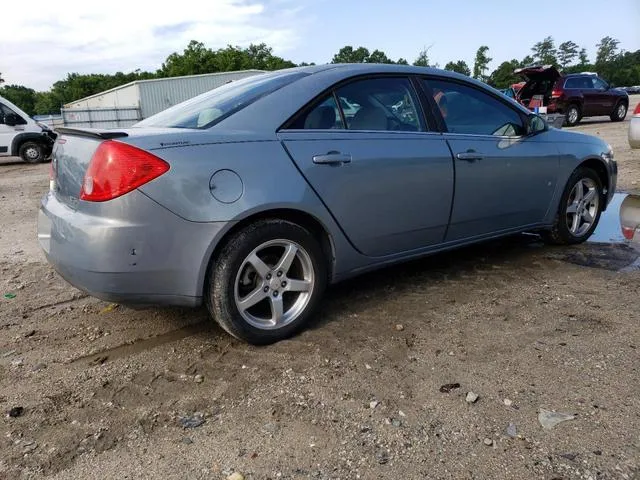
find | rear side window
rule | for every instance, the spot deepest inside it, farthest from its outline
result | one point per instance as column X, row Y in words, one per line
column 467, row 110
column 387, row 104
column 325, row 115
column 572, row 83
column 212, row 107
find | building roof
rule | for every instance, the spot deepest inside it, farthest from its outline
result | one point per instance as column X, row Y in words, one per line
column 164, row 79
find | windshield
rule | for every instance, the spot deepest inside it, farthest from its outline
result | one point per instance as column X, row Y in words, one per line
column 211, row 107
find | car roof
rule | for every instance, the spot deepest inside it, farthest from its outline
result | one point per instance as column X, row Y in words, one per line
column 349, row 69
column 584, row 74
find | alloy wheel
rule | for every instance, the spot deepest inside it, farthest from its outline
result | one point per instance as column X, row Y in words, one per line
column 274, row 284
column 582, row 207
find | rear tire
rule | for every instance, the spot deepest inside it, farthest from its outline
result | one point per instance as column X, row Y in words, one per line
column 572, row 115
column 32, row 152
column 266, row 282
column 579, row 210
column 619, row 112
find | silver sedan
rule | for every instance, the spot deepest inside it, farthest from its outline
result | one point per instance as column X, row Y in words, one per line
column 253, row 197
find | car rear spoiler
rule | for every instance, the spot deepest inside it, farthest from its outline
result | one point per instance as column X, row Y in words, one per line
column 91, row 133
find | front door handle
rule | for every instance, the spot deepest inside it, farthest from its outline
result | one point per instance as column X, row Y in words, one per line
column 332, row 158
column 469, row 156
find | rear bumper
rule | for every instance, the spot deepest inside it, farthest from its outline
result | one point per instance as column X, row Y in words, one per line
column 151, row 257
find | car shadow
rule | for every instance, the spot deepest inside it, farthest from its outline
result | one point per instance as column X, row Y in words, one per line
column 11, row 163
column 404, row 277
column 593, row 121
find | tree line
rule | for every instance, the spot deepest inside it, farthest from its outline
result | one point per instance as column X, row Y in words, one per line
column 620, row 67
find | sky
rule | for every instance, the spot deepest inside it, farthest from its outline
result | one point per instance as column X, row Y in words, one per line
column 42, row 43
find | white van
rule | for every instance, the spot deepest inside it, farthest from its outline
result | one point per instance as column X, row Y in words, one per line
column 22, row 136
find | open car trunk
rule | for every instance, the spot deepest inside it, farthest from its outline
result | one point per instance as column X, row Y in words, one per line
column 540, row 80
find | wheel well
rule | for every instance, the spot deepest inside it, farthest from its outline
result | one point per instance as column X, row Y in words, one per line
column 576, row 103
column 295, row 216
column 599, row 168
column 22, row 139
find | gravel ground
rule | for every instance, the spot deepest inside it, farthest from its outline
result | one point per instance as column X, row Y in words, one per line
column 164, row 393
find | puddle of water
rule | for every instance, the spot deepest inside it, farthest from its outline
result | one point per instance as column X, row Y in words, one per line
column 609, row 229
column 608, row 248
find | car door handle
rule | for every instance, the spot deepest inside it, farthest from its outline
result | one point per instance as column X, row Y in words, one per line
column 332, row 158
column 469, row 156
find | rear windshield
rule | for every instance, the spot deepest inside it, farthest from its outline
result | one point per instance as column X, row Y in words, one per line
column 212, row 107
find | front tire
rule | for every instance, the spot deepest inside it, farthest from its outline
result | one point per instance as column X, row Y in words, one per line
column 579, row 211
column 266, row 282
column 32, row 152
column 619, row 112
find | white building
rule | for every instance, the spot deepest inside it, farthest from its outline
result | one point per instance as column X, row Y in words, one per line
column 127, row 104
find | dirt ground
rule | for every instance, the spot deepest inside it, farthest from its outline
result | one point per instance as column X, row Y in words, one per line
column 110, row 392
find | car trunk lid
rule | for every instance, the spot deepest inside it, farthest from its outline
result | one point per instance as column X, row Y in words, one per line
column 538, row 72
column 72, row 152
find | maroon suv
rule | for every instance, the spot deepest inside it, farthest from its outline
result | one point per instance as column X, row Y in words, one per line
column 576, row 95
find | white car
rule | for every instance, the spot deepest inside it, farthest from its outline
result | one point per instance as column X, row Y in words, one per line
column 630, row 217
column 22, row 136
column 634, row 128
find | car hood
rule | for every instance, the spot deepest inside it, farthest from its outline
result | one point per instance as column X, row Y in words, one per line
column 538, row 72
column 568, row 136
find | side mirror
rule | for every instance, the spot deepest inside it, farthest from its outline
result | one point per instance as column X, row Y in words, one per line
column 11, row 119
column 535, row 124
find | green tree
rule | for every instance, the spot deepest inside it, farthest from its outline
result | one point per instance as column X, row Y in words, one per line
column 545, row 52
column 195, row 59
column 583, row 59
column 47, row 103
column 23, row 97
column 481, row 63
column 504, row 76
column 460, row 66
column 348, row 55
column 607, row 50
column 567, row 52
column 1, row 79
column 379, row 57
column 527, row 61
column 362, row 55
column 423, row 57
column 402, row 61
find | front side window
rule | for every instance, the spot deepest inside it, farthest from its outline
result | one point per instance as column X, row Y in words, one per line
column 211, row 107
column 388, row 104
column 599, row 84
column 467, row 110
column 4, row 111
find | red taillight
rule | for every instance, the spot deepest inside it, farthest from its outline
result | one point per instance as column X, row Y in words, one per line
column 556, row 93
column 117, row 168
column 628, row 232
column 636, row 111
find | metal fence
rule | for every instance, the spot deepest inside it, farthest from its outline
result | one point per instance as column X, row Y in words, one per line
column 101, row 117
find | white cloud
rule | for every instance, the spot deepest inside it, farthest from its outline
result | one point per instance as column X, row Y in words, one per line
column 42, row 43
